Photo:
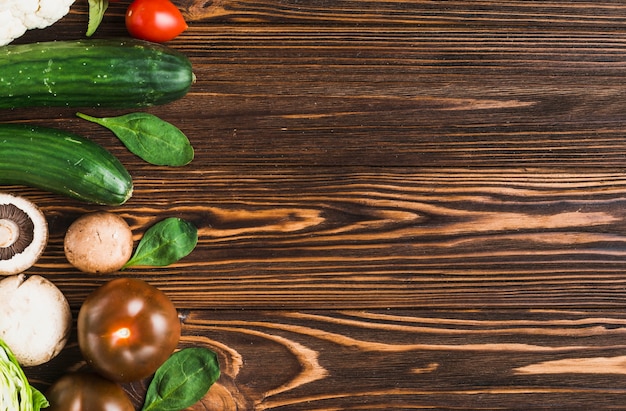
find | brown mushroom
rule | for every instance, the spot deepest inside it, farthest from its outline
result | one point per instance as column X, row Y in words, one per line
column 23, row 234
column 99, row 242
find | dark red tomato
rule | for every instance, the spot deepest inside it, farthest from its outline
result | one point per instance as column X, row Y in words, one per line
column 84, row 391
column 154, row 20
column 127, row 328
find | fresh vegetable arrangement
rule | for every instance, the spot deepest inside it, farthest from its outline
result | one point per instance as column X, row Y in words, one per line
column 179, row 383
column 102, row 242
column 128, row 330
column 153, row 20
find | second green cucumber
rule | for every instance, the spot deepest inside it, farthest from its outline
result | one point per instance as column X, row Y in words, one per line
column 62, row 163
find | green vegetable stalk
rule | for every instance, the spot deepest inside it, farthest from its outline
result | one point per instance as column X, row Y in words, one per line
column 16, row 394
column 96, row 13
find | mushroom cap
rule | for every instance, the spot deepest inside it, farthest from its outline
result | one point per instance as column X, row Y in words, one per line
column 35, row 318
column 23, row 234
column 98, row 242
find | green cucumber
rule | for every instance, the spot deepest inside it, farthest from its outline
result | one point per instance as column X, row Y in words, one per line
column 121, row 73
column 62, row 162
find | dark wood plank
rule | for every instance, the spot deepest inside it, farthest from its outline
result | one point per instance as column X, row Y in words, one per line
column 409, row 359
column 551, row 15
column 390, row 238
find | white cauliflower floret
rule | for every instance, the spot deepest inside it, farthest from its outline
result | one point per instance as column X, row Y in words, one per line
column 10, row 27
column 17, row 16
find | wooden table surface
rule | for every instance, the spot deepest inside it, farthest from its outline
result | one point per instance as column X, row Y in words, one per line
column 401, row 204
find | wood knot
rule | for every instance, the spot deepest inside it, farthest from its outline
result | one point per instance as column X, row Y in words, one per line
column 196, row 10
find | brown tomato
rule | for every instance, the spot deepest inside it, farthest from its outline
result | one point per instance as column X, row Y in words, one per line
column 127, row 328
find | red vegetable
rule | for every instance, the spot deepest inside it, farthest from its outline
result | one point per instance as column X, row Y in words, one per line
column 87, row 391
column 154, row 20
column 126, row 329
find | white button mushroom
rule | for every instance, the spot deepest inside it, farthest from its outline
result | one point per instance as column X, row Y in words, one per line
column 23, row 234
column 35, row 318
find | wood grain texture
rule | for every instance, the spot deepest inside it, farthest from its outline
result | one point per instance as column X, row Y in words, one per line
column 387, row 239
column 401, row 204
column 406, row 359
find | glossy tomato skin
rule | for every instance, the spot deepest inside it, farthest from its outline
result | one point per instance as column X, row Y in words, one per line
column 127, row 328
column 154, row 20
column 85, row 391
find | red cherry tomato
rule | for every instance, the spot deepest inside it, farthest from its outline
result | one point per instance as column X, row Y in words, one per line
column 87, row 391
column 126, row 329
column 154, row 20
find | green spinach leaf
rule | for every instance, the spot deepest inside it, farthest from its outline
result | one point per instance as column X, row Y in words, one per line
column 154, row 140
column 164, row 243
column 182, row 380
column 96, row 13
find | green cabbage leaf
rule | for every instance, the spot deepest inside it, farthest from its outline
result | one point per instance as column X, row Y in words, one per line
column 16, row 394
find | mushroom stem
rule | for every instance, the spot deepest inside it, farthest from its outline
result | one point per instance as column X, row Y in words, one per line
column 9, row 232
